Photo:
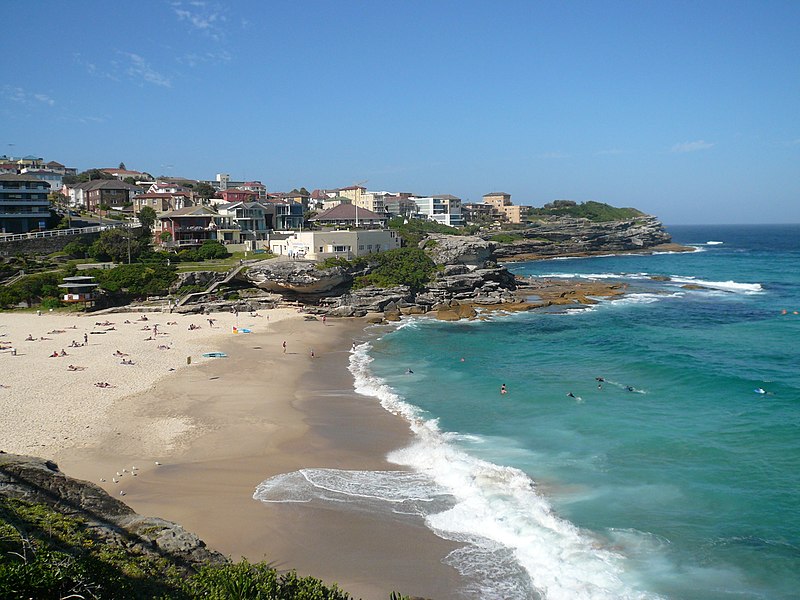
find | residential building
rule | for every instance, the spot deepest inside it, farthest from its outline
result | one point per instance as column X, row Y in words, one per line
column 52, row 177
column 443, row 208
column 188, row 227
column 497, row 199
column 23, row 203
column 163, row 202
column 501, row 203
column 124, row 174
column 283, row 215
column 474, row 212
column 255, row 186
column 318, row 245
column 240, row 221
column 352, row 193
column 400, row 204
column 349, row 215
column 108, row 192
column 237, row 195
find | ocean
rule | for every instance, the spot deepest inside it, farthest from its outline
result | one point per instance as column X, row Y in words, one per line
column 647, row 447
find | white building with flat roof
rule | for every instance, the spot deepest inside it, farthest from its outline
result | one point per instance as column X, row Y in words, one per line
column 345, row 243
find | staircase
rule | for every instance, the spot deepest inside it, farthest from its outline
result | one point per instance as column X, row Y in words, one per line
column 194, row 295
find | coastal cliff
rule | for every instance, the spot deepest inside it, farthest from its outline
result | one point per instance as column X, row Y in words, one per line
column 463, row 270
column 565, row 236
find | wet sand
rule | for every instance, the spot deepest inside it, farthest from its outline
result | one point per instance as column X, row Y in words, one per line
column 261, row 412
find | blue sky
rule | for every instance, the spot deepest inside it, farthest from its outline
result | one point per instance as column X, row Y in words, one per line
column 686, row 110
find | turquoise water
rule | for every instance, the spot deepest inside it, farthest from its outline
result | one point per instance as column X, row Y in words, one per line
column 670, row 478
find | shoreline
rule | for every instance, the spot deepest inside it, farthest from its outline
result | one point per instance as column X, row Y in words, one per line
column 260, row 413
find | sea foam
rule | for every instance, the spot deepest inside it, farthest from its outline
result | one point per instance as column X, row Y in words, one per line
column 496, row 511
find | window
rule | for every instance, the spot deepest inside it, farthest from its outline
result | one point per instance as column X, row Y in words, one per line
column 340, row 248
column 369, row 247
column 361, row 246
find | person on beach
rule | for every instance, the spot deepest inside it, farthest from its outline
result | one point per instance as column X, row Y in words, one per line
column 324, row 318
column 284, row 346
column 30, row 338
column 503, row 389
column 85, row 339
column 312, row 353
column 354, row 347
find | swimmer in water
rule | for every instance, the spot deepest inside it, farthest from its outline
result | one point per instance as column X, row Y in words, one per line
column 503, row 389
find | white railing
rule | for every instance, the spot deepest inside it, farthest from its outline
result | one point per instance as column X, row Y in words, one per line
column 12, row 237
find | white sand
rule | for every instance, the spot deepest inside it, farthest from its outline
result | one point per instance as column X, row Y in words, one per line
column 45, row 407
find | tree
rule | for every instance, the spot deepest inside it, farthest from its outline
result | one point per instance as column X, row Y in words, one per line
column 147, row 216
column 118, row 245
column 131, row 180
column 122, row 166
column 205, row 190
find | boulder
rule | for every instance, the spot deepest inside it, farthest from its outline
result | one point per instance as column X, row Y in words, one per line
column 468, row 250
column 301, row 277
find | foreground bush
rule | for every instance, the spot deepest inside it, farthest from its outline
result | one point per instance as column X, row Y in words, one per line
column 44, row 554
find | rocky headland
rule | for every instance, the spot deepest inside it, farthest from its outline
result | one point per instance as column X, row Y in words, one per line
column 469, row 278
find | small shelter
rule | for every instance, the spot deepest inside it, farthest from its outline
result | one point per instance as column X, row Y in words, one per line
column 78, row 289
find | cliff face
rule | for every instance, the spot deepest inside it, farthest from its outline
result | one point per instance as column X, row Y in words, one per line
column 580, row 237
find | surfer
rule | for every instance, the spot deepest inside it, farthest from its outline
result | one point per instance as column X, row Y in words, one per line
column 630, row 388
column 571, row 395
column 600, row 379
column 409, row 372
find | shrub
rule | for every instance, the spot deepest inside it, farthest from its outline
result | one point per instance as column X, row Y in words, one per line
column 212, row 249
column 76, row 249
column 403, row 266
column 136, row 280
column 594, row 211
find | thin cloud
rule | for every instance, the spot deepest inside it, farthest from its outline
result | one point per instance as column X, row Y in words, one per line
column 692, row 146
column 553, row 155
column 22, row 96
column 193, row 58
column 202, row 16
column 45, row 98
column 138, row 68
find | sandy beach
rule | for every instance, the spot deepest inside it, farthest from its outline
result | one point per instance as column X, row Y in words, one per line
column 203, row 435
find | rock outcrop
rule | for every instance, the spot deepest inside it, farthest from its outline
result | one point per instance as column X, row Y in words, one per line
column 197, row 279
column 580, row 237
column 296, row 277
column 38, row 480
column 458, row 249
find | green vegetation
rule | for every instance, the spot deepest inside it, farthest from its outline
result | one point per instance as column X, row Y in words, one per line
column 44, row 554
column 402, row 266
column 506, row 238
column 594, row 211
column 414, row 230
column 127, row 282
column 31, row 289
